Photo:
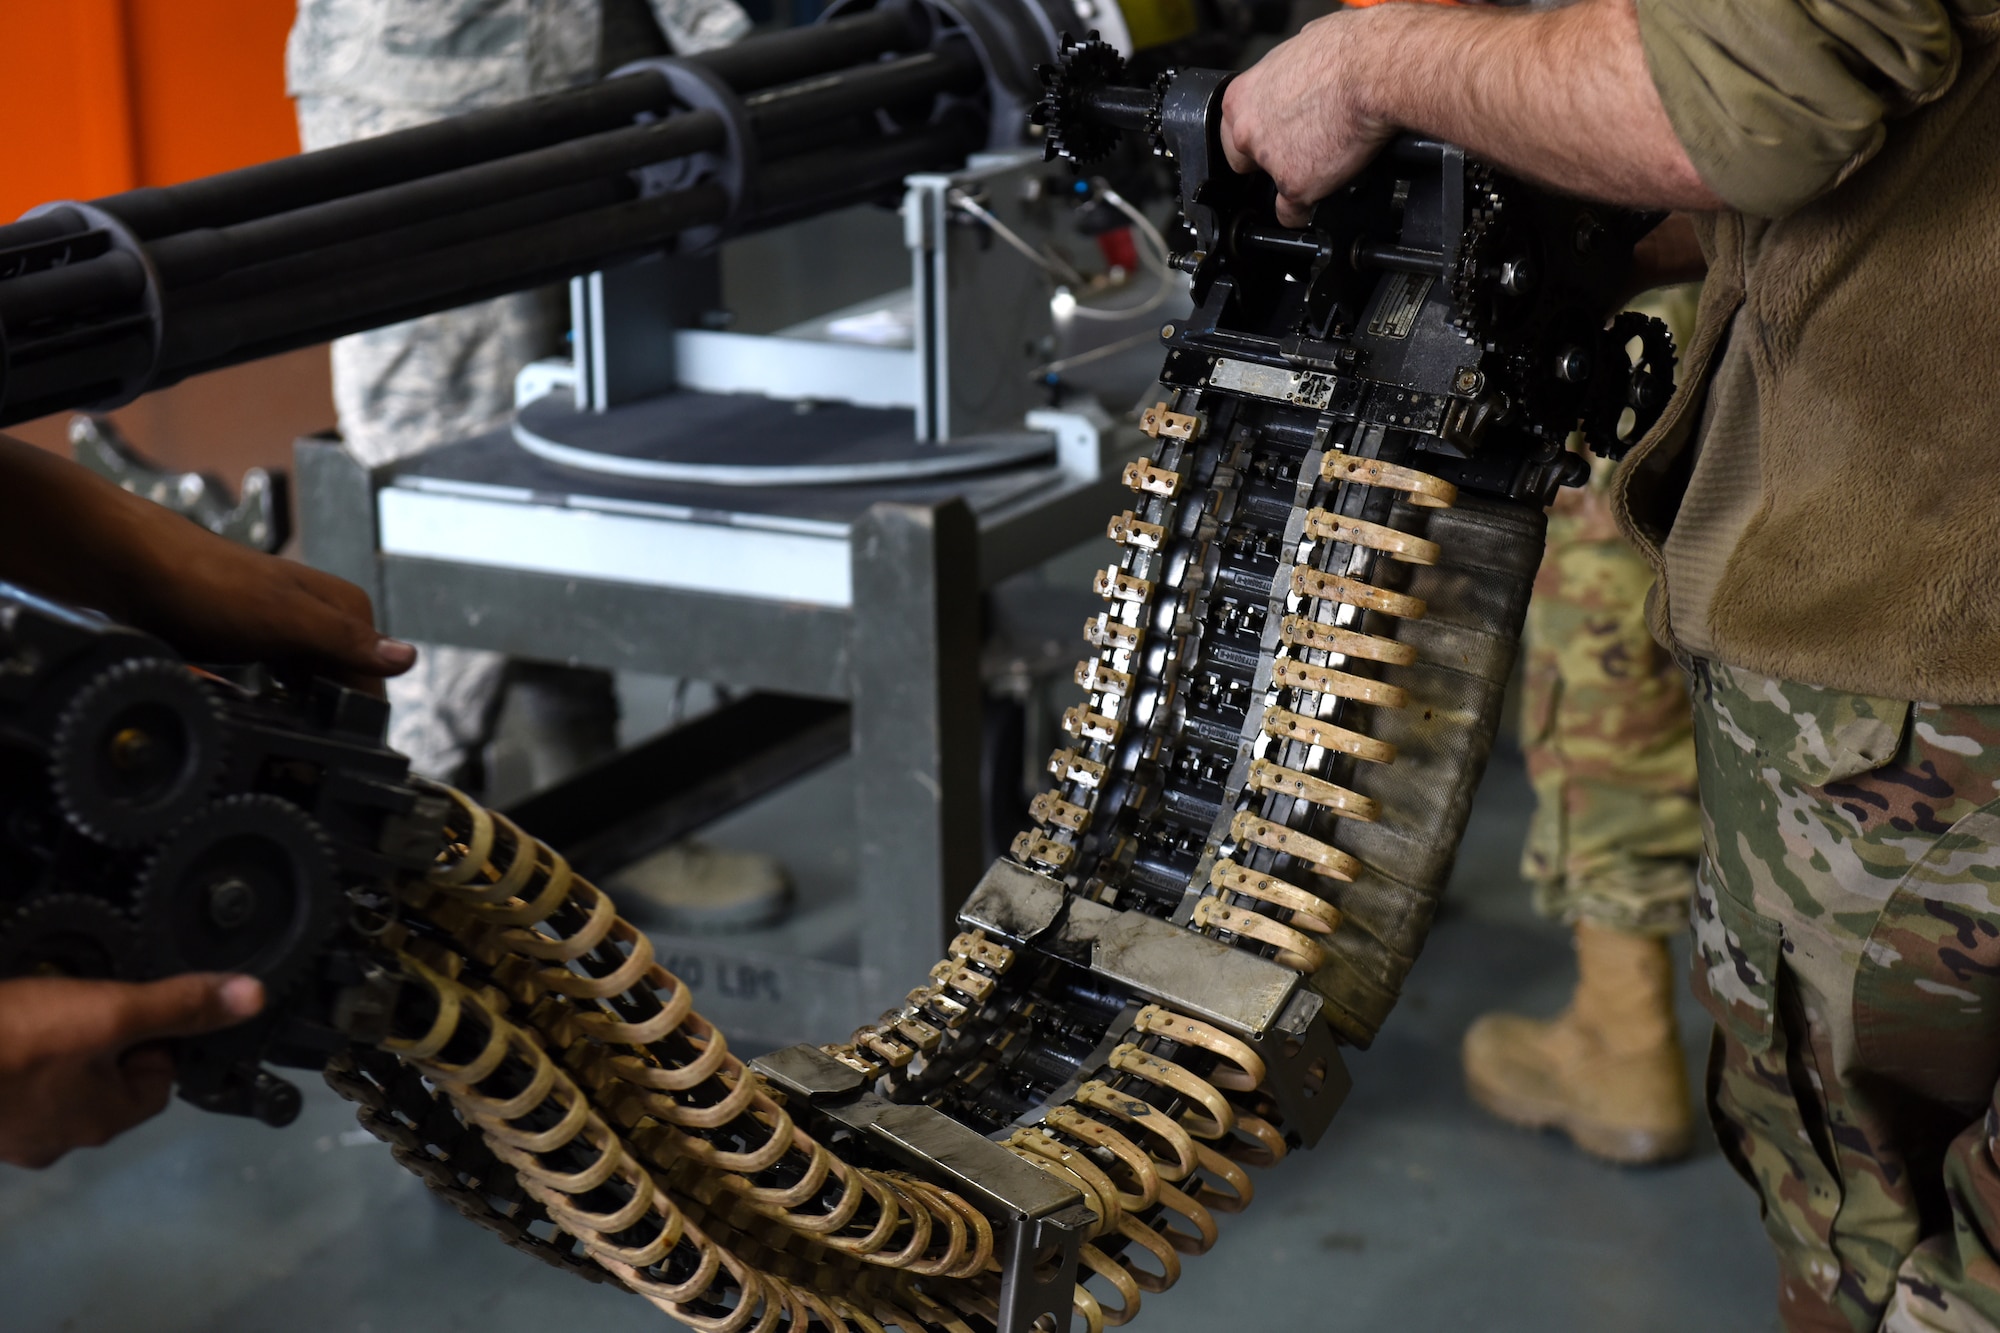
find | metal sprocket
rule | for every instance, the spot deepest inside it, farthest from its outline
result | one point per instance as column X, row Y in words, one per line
column 248, row 885
column 136, row 751
column 72, row 935
column 1624, row 407
column 1079, row 69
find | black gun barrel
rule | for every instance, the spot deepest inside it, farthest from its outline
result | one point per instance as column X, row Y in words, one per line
column 100, row 302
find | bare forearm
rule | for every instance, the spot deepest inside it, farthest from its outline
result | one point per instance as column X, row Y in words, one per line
column 70, row 534
column 1560, row 95
column 67, row 532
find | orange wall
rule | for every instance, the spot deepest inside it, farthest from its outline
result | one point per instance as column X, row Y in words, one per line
column 98, row 96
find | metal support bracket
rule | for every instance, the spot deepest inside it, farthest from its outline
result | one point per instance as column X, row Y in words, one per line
column 1040, row 1222
column 1264, row 1003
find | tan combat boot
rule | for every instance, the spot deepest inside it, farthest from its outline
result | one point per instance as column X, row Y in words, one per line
column 1607, row 1071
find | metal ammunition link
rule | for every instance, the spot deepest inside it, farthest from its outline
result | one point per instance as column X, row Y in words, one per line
column 1296, row 729
column 558, row 1087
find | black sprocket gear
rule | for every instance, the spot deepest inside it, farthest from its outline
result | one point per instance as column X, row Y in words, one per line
column 1624, row 406
column 250, row 884
column 72, row 935
column 136, row 751
column 1069, row 131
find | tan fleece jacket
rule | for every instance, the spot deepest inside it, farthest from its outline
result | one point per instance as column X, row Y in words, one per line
column 1841, row 494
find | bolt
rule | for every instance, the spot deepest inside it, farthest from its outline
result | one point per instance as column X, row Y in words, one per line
column 131, row 747
column 231, row 903
column 1468, row 381
column 1517, row 277
column 1573, row 365
column 1166, row 332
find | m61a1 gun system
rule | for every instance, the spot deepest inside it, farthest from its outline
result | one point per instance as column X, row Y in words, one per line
column 1290, row 698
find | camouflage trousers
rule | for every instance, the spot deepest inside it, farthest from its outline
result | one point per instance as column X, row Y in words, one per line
column 1847, row 941
column 1606, row 734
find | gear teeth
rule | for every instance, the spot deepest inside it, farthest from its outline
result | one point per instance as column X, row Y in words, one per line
column 112, row 727
column 72, row 935
column 1079, row 69
column 178, row 865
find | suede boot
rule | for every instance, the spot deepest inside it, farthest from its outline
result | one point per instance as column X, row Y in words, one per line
column 1608, row 1070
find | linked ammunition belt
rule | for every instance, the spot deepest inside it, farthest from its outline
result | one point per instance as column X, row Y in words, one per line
column 551, row 1079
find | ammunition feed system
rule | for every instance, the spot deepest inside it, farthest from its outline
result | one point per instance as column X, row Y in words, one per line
column 1289, row 699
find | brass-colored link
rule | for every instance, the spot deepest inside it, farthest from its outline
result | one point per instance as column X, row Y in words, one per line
column 974, row 947
column 1295, row 949
column 1107, row 631
column 1093, row 674
column 1115, row 584
column 1151, row 1121
column 1266, row 776
column 1145, row 1175
column 1261, row 832
column 1163, row 1022
column 1422, row 489
column 1128, row 529
column 1128, row 1290
column 1300, row 632
column 1353, row 592
column 1159, row 420
column 1215, row 1167
column 1287, row 725
column 1154, row 1243
column 1221, row 1118
column 1085, row 725
column 1073, row 767
column 1342, row 684
column 1402, row 546
column 1033, row 846
column 1310, row 912
column 1203, row 1233
column 1050, row 808
column 1142, row 476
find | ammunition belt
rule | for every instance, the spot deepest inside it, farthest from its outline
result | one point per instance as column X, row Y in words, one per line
column 552, row 1080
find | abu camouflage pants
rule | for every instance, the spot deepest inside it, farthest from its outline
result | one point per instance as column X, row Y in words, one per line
column 1606, row 734
column 1847, row 941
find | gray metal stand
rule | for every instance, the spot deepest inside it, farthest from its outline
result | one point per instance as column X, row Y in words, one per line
column 482, row 545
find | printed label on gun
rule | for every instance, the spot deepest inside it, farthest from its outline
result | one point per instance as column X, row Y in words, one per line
column 1396, row 309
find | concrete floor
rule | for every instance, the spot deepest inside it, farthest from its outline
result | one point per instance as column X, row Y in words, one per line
column 1415, row 1214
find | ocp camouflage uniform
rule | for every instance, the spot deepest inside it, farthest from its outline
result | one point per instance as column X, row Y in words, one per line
column 360, row 68
column 1605, row 726
column 1847, row 932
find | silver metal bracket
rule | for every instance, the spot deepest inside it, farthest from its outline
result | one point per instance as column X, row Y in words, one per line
column 1039, row 1223
column 1264, row 1003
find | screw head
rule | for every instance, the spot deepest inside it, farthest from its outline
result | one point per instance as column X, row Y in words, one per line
column 1166, row 332
column 1573, row 365
column 231, row 903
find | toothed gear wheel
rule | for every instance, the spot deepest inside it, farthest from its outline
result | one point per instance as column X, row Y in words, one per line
column 1081, row 68
column 136, row 751
column 248, row 885
column 1643, row 390
column 72, row 935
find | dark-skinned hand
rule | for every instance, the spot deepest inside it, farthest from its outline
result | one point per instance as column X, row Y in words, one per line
column 67, row 533
column 83, row 1061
